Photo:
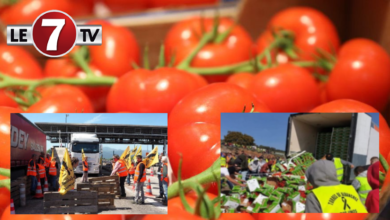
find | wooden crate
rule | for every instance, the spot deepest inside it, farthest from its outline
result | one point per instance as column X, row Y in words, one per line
column 106, row 193
column 70, row 203
column 107, row 179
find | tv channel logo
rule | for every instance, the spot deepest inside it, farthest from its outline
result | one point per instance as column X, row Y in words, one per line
column 54, row 34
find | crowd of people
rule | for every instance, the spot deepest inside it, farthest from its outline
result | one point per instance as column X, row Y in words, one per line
column 40, row 168
column 326, row 177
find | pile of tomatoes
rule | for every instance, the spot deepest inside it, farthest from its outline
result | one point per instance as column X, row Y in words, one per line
column 308, row 71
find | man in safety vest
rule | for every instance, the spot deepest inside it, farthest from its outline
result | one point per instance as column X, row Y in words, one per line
column 223, row 160
column 120, row 167
column 360, row 183
column 42, row 171
column 85, row 170
column 53, row 178
column 139, row 179
column 329, row 195
column 131, row 173
column 249, row 159
column 164, row 178
column 32, row 172
column 160, row 184
column 339, row 165
column 47, row 164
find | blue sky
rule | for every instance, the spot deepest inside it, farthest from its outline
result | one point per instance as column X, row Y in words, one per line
column 269, row 129
column 99, row 118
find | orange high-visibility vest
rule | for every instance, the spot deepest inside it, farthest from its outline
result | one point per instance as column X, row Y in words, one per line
column 143, row 179
column 122, row 170
column 41, row 171
column 132, row 169
column 47, row 162
column 52, row 169
column 85, row 166
column 165, row 178
column 31, row 170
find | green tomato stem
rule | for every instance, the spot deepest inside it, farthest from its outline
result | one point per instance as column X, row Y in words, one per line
column 146, row 58
column 5, row 183
column 205, row 177
column 221, row 37
column 161, row 60
column 79, row 60
column 5, row 172
column 384, row 162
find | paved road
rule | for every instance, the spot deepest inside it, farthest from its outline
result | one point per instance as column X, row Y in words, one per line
column 123, row 206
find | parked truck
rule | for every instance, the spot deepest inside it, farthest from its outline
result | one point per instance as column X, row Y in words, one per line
column 353, row 137
column 89, row 142
column 26, row 139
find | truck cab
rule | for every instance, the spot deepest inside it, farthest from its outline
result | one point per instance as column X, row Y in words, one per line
column 89, row 142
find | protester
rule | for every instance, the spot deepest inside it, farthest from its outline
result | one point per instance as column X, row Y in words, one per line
column 266, row 168
column 85, row 170
column 41, row 171
column 244, row 165
column 329, row 195
column 139, row 179
column 228, row 175
column 131, row 173
column 47, row 164
column 32, row 173
column 360, row 183
column 372, row 201
column 159, row 173
column 164, row 178
column 121, row 169
column 261, row 162
column 53, row 177
column 338, row 163
column 254, row 166
column 223, row 160
column 372, row 161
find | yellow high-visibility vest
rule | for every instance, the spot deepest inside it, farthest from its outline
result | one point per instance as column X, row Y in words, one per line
column 339, row 199
column 339, row 168
column 223, row 162
column 364, row 189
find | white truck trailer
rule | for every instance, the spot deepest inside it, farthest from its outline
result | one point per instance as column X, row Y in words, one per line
column 353, row 137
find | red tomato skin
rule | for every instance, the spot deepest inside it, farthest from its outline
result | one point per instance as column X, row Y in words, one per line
column 62, row 99
column 176, row 3
column 117, row 52
column 207, row 103
column 65, row 68
column 201, row 139
column 361, row 73
column 120, row 6
column 244, row 80
column 286, row 88
column 182, row 38
column 308, row 216
column 5, row 121
column 82, row 8
column 311, row 28
column 26, row 11
column 155, row 91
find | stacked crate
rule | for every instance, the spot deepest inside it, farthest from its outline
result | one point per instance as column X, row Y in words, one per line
column 323, row 144
column 340, row 139
column 15, row 188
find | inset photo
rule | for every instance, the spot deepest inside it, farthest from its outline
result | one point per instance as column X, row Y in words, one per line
column 89, row 163
column 299, row 162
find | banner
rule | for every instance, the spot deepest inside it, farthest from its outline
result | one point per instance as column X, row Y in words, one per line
column 82, row 154
column 151, row 158
column 67, row 178
column 139, row 152
column 132, row 153
column 125, row 157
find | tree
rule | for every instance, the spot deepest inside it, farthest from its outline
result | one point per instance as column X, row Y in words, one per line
column 239, row 138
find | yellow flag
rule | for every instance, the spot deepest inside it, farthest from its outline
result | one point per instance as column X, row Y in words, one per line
column 152, row 158
column 52, row 153
column 67, row 178
column 125, row 155
column 82, row 154
column 132, row 153
column 139, row 152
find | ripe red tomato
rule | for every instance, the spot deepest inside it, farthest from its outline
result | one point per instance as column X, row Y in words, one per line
column 62, row 99
column 151, row 91
column 16, row 62
column 26, row 11
column 5, row 114
column 175, row 3
column 82, row 8
column 5, row 196
column 304, row 216
column 243, row 80
column 117, row 52
column 184, row 36
column 207, row 103
column 201, row 139
column 63, row 217
column 286, row 88
column 361, row 73
column 311, row 28
column 65, row 68
column 120, row 6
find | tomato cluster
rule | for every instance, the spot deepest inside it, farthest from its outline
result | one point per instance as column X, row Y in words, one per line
column 209, row 66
